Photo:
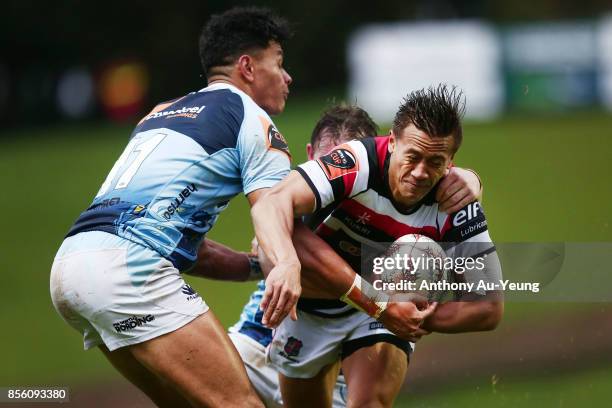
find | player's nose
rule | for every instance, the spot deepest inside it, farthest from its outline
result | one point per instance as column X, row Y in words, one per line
column 287, row 77
column 419, row 172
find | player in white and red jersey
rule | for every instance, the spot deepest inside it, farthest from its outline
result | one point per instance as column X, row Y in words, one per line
column 381, row 189
column 338, row 124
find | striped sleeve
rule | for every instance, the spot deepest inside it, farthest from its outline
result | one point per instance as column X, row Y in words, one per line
column 341, row 173
column 465, row 235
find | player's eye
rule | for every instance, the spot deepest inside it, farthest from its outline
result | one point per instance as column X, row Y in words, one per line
column 436, row 163
column 411, row 158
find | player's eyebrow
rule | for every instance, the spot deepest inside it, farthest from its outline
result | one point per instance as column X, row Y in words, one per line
column 433, row 156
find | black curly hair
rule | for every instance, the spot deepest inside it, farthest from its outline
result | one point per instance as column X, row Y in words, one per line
column 228, row 35
column 436, row 111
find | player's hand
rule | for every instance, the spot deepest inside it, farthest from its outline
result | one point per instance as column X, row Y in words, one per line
column 283, row 290
column 254, row 246
column 405, row 317
column 457, row 189
column 416, row 336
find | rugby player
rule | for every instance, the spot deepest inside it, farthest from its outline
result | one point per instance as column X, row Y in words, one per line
column 337, row 125
column 116, row 277
column 382, row 188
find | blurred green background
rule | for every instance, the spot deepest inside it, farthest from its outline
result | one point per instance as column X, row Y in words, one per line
column 546, row 179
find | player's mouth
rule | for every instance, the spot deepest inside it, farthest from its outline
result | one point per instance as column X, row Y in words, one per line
column 415, row 186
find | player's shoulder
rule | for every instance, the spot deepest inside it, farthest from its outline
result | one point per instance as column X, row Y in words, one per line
column 251, row 110
column 212, row 117
column 258, row 126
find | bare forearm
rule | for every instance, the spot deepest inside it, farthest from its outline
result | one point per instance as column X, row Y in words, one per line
column 324, row 272
column 217, row 261
column 460, row 317
column 275, row 237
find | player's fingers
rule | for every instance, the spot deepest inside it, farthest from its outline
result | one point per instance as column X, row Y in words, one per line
column 265, row 299
column 419, row 301
column 271, row 305
column 445, row 183
column 432, row 308
column 279, row 311
column 293, row 314
column 254, row 246
column 448, row 201
column 417, row 334
column 450, row 191
column 290, row 306
column 455, row 203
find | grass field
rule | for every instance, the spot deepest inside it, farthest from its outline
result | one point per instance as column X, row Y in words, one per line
column 546, row 179
column 566, row 390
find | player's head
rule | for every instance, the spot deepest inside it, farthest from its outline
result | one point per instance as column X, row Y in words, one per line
column 339, row 124
column 425, row 136
column 245, row 44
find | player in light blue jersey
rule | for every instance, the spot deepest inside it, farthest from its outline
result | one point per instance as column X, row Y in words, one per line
column 116, row 277
column 338, row 124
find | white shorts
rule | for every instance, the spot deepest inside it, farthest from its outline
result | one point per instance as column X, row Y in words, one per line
column 300, row 349
column 265, row 378
column 116, row 292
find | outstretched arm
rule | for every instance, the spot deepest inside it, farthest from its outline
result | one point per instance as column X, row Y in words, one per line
column 217, row 261
column 467, row 316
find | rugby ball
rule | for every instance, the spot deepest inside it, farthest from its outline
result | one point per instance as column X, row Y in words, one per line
column 418, row 266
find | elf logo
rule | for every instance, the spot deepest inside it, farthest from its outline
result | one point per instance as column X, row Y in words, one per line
column 468, row 213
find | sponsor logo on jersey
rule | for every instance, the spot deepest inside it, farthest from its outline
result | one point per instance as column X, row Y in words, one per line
column 274, row 139
column 109, row 202
column 188, row 112
column 467, row 214
column 376, row 326
column 474, row 229
column 179, row 200
column 339, row 162
column 139, row 208
column 132, row 322
column 190, row 292
column 467, row 222
column 356, row 226
column 291, row 349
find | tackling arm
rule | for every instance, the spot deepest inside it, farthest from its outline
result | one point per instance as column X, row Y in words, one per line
column 467, row 316
column 325, row 268
column 217, row 261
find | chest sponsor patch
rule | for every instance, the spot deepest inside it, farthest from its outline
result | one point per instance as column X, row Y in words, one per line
column 274, row 139
column 339, row 162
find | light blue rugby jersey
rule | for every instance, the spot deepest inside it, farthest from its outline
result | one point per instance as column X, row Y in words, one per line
column 184, row 162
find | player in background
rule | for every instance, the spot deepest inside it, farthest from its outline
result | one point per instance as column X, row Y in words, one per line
column 382, row 188
column 116, row 277
column 338, row 124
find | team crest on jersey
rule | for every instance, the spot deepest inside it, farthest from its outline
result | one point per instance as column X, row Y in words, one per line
column 274, row 139
column 292, row 348
column 339, row 162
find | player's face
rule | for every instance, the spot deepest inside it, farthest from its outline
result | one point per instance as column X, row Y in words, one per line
column 417, row 163
column 271, row 81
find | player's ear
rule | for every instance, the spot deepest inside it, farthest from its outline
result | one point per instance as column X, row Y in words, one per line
column 246, row 67
column 309, row 151
column 391, row 146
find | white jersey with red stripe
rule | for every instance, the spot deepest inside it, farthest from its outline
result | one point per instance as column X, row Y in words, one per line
column 353, row 179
